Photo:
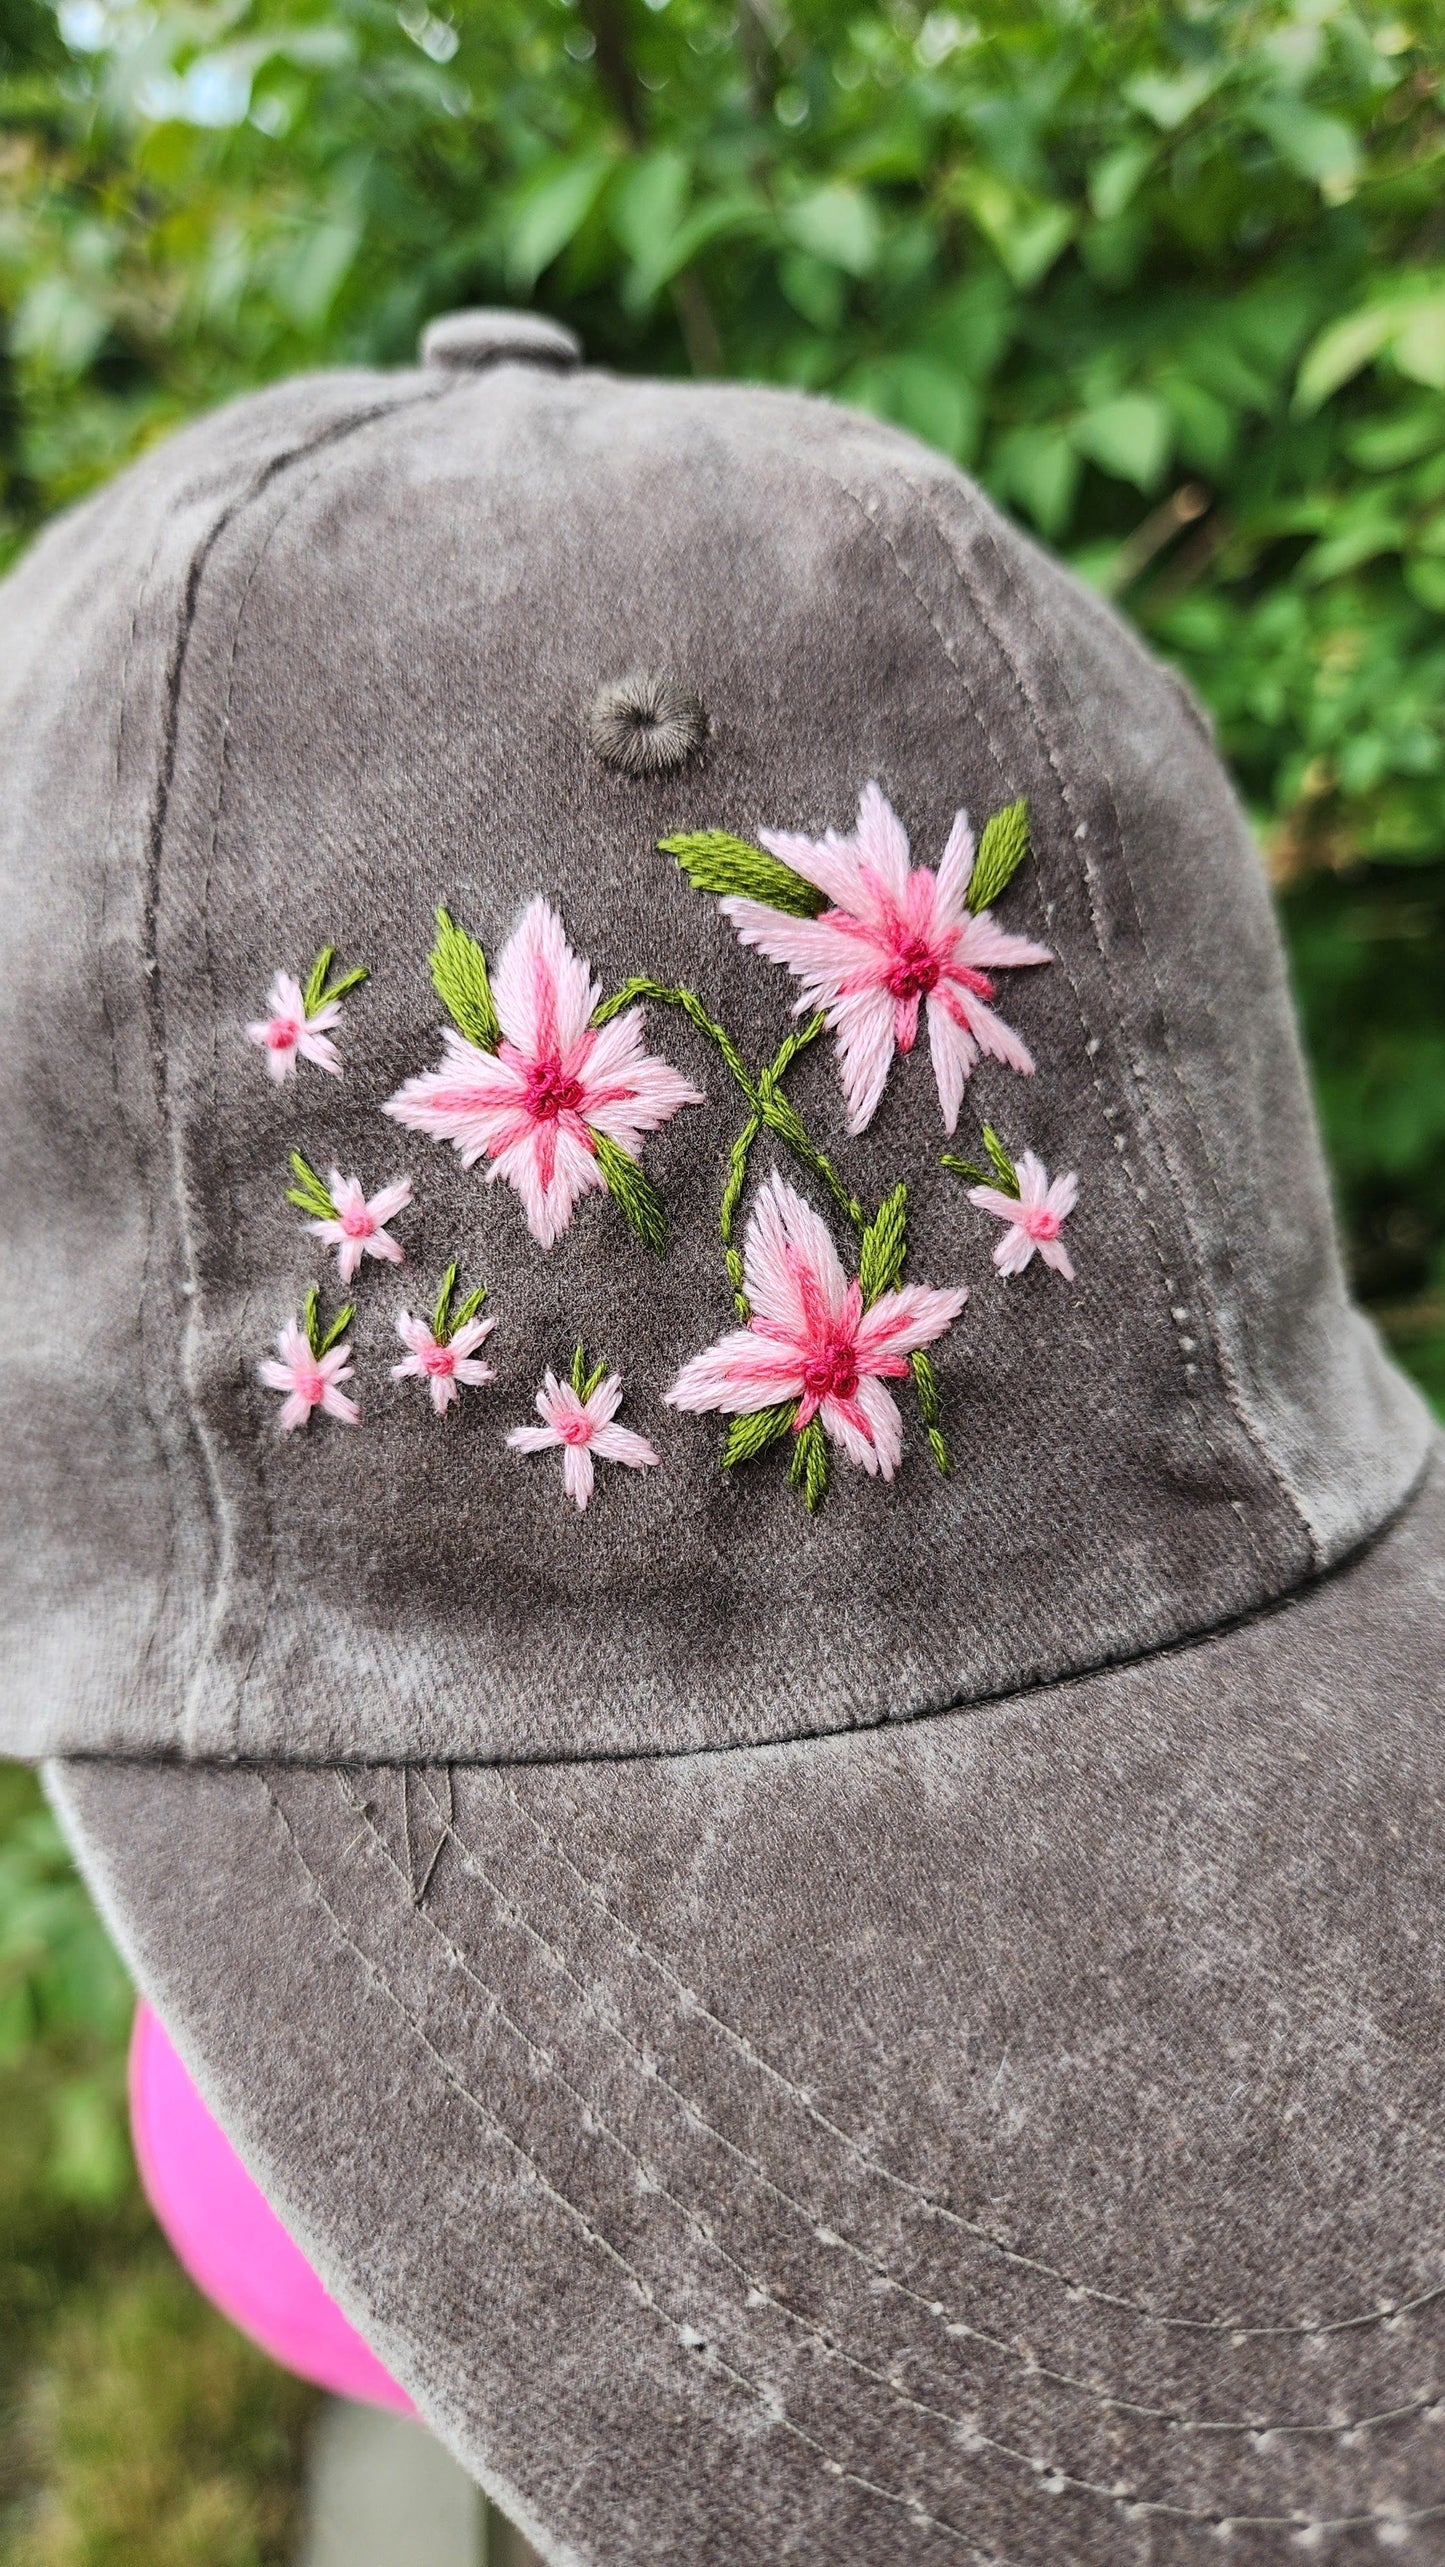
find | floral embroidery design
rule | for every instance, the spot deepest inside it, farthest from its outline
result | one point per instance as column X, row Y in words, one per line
column 312, row 1366
column 1023, row 1197
column 816, row 1350
column 872, row 939
column 533, row 1080
column 300, row 1019
column 443, row 1355
column 578, row 1419
column 343, row 1216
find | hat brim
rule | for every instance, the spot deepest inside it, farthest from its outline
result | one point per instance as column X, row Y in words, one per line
column 1013, row 2135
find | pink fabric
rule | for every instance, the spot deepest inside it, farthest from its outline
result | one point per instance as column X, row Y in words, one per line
column 227, row 2237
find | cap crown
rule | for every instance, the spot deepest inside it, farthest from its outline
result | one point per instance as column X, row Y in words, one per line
column 323, row 666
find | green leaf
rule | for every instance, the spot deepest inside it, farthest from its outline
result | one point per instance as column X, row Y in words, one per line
column 468, row 1309
column 929, row 395
column 884, row 1247
column 633, row 1192
column 349, row 981
column 1343, row 350
column 595, row 1378
column 749, row 1436
column 463, row 984
column 811, row 1468
column 308, row 1193
column 1131, row 437
column 1001, row 851
column 316, row 979
column 310, row 1318
column 439, row 1318
column 552, row 213
column 1419, row 348
column 1040, row 467
column 1169, row 98
column 1003, row 1167
column 579, row 1367
column 1114, row 179
column 838, row 223
column 966, row 1168
column 1317, row 147
column 338, row 1328
column 731, row 868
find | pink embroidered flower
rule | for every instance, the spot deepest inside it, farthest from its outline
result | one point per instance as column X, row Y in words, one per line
column 289, row 1030
column 578, row 1417
column 309, row 1379
column 1036, row 1216
column 811, row 1340
column 443, row 1363
column 555, row 1089
column 357, row 1228
column 898, row 937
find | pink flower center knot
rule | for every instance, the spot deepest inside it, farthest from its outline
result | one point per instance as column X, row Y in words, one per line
column 440, row 1360
column 1041, row 1223
column 575, row 1427
column 833, row 1374
column 914, row 970
column 283, row 1033
column 551, row 1092
column 357, row 1223
column 310, row 1383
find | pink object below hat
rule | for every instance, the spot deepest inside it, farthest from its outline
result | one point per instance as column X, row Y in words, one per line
column 227, row 2236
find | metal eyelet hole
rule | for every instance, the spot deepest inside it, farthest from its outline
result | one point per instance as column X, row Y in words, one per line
column 646, row 725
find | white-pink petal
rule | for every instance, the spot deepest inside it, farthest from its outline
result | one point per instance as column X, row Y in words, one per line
column 543, row 992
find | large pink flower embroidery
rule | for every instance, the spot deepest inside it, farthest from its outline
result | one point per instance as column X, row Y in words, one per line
column 897, row 937
column 1036, row 1215
column 577, row 1418
column 538, row 1106
column 811, row 1340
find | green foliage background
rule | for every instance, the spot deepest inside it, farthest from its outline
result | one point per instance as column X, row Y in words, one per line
column 1171, row 281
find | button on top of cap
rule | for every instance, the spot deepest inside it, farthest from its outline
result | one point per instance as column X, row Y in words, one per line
column 498, row 338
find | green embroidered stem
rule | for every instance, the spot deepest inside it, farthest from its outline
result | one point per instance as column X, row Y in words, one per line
column 308, row 1193
column 319, row 1343
column 318, row 992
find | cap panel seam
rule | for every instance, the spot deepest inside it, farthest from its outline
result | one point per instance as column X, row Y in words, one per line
column 1141, row 1192
column 1223, row 1359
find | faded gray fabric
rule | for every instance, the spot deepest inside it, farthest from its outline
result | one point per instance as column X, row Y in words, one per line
column 1010, row 2136
column 326, row 661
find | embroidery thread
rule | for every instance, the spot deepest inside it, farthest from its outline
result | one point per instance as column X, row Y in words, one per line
column 873, row 938
column 1022, row 1196
column 300, row 1019
column 556, row 1099
column 310, row 1365
column 578, row 1419
column 443, row 1354
column 817, row 1348
column 342, row 1215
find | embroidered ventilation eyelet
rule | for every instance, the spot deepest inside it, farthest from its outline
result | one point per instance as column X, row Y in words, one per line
column 817, row 1349
column 645, row 726
column 1021, row 1196
column 345, row 1218
column 300, row 1019
column 310, row 1365
column 872, row 939
column 556, row 1100
column 577, row 1419
column 442, row 1353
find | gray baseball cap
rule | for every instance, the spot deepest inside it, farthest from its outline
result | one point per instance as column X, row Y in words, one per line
column 709, row 1566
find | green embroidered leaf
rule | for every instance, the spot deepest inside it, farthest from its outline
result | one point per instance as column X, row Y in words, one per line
column 731, row 868
column 310, row 1320
column 469, row 1308
column 440, row 1325
column 349, row 981
column 749, row 1436
column 308, row 1193
column 1001, row 851
column 966, row 1168
column 634, row 1193
column 463, row 984
column 884, row 1247
column 810, row 1468
column 594, row 1380
column 317, row 993
column 1003, row 1166
column 930, row 1406
column 338, row 1328
column 579, row 1367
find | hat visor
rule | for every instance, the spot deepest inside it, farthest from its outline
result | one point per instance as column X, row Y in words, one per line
column 1014, row 2135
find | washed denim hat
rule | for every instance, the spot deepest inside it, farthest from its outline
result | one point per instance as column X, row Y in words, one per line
column 713, row 1576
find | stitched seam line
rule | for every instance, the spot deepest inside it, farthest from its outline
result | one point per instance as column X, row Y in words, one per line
column 640, row 2290
column 1124, row 2500
column 593, row 1995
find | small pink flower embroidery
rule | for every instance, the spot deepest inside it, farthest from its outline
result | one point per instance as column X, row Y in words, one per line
column 577, row 1417
column 810, row 1339
column 443, row 1363
column 356, row 1227
column 898, row 937
column 557, row 1094
column 312, row 1368
column 1035, row 1217
column 300, row 1020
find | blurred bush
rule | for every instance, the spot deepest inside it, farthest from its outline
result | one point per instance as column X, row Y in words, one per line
column 1170, row 280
